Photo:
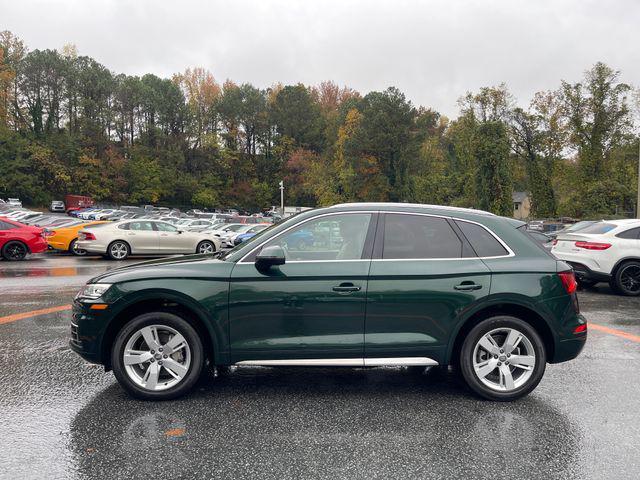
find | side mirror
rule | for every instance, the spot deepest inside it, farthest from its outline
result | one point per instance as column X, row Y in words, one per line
column 270, row 256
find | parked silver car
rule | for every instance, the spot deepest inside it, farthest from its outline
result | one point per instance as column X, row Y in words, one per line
column 119, row 240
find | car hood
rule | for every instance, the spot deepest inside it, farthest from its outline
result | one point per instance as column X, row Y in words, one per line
column 192, row 266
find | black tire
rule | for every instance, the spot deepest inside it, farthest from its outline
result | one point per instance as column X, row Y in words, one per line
column 78, row 252
column 163, row 319
column 124, row 247
column 204, row 243
column 627, row 279
column 467, row 358
column 14, row 251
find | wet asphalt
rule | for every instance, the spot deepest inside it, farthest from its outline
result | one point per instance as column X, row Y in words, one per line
column 63, row 418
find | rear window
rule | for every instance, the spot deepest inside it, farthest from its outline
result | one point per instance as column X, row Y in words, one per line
column 485, row 244
column 6, row 226
column 598, row 228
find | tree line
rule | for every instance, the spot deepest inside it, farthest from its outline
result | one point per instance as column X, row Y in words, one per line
column 70, row 125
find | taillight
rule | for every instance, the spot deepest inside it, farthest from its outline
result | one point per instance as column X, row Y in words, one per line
column 568, row 279
column 87, row 236
column 580, row 329
column 593, row 245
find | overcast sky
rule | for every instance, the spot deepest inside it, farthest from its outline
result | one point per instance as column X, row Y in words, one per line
column 434, row 51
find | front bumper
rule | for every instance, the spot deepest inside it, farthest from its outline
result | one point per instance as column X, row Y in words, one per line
column 87, row 330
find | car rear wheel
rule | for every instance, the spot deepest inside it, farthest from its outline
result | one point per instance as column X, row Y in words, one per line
column 206, row 246
column 157, row 356
column 14, row 251
column 73, row 249
column 627, row 279
column 118, row 250
column 503, row 358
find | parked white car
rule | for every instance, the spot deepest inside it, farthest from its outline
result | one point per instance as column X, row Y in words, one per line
column 14, row 202
column 607, row 251
column 119, row 240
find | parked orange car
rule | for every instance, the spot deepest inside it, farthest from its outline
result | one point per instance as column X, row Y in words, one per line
column 65, row 238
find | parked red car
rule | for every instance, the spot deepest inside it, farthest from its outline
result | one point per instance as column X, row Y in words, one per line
column 17, row 240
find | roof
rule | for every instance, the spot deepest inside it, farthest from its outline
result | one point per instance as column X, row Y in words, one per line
column 519, row 197
column 411, row 205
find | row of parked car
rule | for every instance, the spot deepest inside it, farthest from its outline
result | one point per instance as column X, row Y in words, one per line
column 120, row 233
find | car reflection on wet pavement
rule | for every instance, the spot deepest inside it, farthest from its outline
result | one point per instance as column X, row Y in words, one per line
column 63, row 418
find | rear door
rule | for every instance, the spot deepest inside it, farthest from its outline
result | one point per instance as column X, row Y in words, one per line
column 142, row 237
column 423, row 276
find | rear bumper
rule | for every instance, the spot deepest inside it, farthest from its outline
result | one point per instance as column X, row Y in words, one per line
column 583, row 272
column 569, row 349
column 38, row 246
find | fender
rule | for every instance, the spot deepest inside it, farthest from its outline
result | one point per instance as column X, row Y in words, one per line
column 517, row 300
column 217, row 330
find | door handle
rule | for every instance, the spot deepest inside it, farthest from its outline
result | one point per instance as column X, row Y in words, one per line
column 346, row 288
column 468, row 286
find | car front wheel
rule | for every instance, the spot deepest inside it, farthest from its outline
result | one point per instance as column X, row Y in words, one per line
column 503, row 358
column 157, row 356
column 206, row 247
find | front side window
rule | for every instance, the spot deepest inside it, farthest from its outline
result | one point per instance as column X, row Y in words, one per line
column 165, row 227
column 331, row 237
column 419, row 236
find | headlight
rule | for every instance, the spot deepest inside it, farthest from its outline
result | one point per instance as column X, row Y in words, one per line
column 93, row 290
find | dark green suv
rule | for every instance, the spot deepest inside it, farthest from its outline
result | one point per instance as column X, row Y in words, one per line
column 370, row 285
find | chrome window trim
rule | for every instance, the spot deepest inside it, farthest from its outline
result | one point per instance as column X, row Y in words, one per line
column 510, row 252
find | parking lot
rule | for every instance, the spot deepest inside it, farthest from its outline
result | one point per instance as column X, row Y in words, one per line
column 63, row 418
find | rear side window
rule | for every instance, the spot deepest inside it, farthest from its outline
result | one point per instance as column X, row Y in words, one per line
column 6, row 226
column 597, row 228
column 633, row 233
column 419, row 236
column 485, row 244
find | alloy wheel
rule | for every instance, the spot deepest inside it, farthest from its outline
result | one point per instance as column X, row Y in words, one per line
column 157, row 357
column 119, row 250
column 504, row 359
column 206, row 247
column 630, row 278
column 15, row 251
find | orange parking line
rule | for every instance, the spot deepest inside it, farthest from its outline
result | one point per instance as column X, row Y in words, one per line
column 33, row 313
column 614, row 331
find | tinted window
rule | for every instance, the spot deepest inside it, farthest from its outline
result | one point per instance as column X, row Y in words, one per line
column 600, row 227
column 6, row 226
column 419, row 236
column 633, row 233
column 485, row 244
column 331, row 237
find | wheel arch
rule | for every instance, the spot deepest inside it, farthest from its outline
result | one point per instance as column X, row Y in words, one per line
column 163, row 302
column 523, row 312
column 622, row 261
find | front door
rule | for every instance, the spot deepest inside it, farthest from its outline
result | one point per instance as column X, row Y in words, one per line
column 173, row 240
column 313, row 306
column 423, row 276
